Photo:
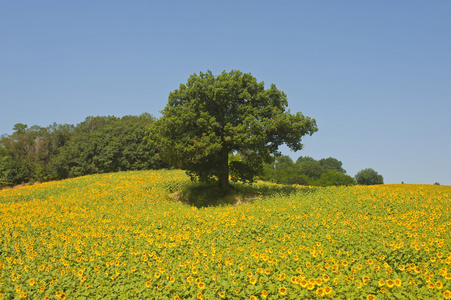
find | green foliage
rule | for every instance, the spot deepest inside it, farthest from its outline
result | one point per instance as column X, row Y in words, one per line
column 332, row 164
column 29, row 153
column 211, row 116
column 108, row 144
column 281, row 170
column 335, row 178
column 97, row 145
column 244, row 166
column 12, row 171
column 312, row 169
column 368, row 177
column 307, row 171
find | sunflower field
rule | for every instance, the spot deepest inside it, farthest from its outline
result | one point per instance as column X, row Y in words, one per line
column 121, row 236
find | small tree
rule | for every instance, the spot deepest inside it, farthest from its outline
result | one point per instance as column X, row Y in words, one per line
column 332, row 164
column 211, row 116
column 368, row 177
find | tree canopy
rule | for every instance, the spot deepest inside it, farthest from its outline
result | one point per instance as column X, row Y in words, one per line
column 368, row 177
column 97, row 145
column 211, row 116
column 108, row 144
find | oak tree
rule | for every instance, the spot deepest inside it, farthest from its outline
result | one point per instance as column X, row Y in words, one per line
column 211, row 116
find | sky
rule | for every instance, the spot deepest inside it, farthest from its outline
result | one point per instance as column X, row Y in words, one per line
column 375, row 75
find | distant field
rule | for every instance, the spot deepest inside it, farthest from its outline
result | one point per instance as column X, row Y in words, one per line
column 120, row 236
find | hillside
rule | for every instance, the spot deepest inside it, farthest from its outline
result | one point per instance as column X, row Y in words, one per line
column 122, row 236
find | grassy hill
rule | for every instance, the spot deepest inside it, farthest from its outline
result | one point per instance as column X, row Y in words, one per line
column 140, row 235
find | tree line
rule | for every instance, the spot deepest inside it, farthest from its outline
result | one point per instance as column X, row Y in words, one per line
column 307, row 171
column 59, row 151
column 105, row 144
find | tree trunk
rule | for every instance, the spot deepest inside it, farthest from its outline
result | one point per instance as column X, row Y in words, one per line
column 224, row 172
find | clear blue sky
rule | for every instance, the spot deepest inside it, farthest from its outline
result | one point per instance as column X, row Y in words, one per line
column 376, row 75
